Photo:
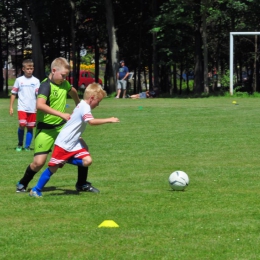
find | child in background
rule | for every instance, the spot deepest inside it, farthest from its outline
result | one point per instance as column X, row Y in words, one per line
column 69, row 146
column 26, row 87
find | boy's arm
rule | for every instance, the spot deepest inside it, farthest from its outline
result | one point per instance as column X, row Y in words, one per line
column 14, row 93
column 100, row 121
column 12, row 99
column 74, row 94
column 41, row 105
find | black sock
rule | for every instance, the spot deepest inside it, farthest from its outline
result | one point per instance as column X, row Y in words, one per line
column 82, row 175
column 28, row 176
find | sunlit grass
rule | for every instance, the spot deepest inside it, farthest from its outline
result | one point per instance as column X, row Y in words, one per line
column 215, row 141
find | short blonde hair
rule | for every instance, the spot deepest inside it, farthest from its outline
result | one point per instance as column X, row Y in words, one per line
column 27, row 62
column 60, row 63
column 94, row 90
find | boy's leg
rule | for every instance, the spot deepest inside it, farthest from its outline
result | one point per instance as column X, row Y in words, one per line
column 82, row 171
column 28, row 139
column 31, row 122
column 31, row 170
column 82, row 183
column 44, row 140
column 22, row 118
column 82, row 175
column 58, row 159
column 20, row 134
column 44, row 178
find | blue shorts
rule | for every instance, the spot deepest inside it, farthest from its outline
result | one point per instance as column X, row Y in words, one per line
column 142, row 95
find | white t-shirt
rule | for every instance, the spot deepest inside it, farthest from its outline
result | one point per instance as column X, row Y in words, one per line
column 27, row 89
column 68, row 138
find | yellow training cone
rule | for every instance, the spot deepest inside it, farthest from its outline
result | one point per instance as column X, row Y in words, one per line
column 234, row 102
column 108, row 223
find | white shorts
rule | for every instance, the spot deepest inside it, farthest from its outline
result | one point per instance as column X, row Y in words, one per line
column 61, row 156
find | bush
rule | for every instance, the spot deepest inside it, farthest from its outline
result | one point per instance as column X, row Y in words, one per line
column 225, row 79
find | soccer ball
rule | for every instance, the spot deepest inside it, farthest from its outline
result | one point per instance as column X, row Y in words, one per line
column 178, row 180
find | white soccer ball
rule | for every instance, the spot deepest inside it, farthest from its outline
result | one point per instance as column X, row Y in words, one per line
column 179, row 180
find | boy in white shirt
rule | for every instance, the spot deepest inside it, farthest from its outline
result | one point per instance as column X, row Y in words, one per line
column 69, row 146
column 26, row 87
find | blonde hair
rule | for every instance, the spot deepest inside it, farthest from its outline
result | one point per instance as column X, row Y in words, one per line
column 60, row 63
column 27, row 62
column 94, row 90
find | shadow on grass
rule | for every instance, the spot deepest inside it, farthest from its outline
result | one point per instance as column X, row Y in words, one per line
column 64, row 191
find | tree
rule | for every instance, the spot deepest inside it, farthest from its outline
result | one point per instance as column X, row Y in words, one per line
column 31, row 11
column 169, row 37
column 113, row 46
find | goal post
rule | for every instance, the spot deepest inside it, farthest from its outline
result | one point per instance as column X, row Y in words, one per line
column 231, row 55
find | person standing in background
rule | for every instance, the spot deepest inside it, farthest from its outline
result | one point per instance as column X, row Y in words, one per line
column 122, row 79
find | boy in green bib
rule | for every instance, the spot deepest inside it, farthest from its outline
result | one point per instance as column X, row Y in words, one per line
column 51, row 116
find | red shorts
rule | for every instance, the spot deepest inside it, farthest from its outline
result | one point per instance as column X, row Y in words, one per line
column 26, row 119
column 61, row 156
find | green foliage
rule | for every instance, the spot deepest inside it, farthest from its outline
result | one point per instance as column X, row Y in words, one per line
column 112, row 95
column 215, row 218
column 174, row 26
column 87, row 59
column 11, row 82
column 225, row 79
column 164, row 30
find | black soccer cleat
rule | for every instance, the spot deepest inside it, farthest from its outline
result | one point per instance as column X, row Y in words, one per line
column 86, row 187
column 20, row 187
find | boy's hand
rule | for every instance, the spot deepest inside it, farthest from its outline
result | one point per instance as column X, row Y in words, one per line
column 65, row 116
column 114, row 120
column 11, row 112
column 100, row 121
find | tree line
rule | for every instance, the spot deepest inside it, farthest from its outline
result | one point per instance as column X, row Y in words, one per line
column 160, row 39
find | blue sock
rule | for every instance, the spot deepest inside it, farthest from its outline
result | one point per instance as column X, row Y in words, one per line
column 44, row 178
column 75, row 161
column 20, row 136
column 29, row 136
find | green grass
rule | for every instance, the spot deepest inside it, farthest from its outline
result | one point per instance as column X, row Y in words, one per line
column 213, row 140
column 11, row 82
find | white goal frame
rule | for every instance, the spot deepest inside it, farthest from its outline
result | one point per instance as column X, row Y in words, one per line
column 231, row 55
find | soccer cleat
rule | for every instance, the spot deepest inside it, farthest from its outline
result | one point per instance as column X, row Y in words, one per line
column 27, row 149
column 20, row 187
column 35, row 193
column 87, row 187
column 19, row 148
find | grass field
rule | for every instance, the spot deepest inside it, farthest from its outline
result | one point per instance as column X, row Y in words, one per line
column 213, row 140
